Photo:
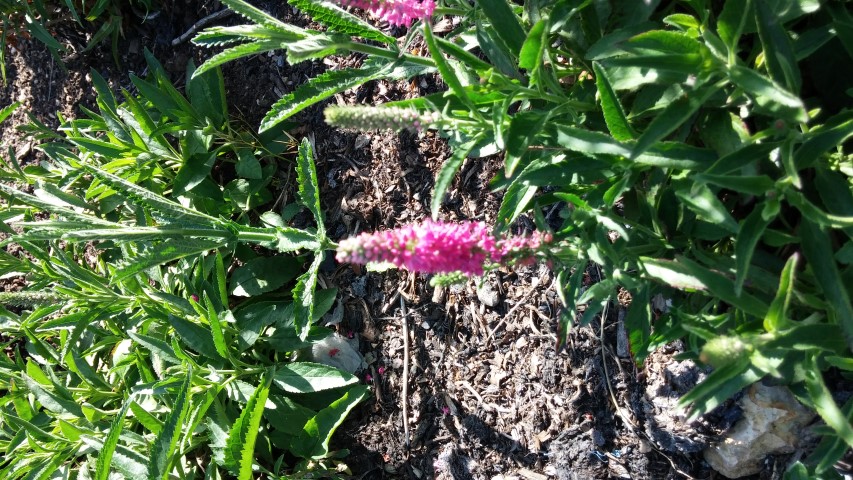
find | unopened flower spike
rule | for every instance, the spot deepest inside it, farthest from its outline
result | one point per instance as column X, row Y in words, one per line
column 366, row 118
column 395, row 12
column 436, row 247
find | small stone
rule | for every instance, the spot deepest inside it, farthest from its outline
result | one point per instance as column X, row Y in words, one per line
column 487, row 295
column 773, row 423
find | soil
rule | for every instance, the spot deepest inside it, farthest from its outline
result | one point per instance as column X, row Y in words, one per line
column 489, row 396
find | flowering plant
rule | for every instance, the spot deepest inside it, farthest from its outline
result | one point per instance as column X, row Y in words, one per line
column 439, row 247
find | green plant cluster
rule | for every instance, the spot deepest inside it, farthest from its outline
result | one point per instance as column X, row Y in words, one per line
column 694, row 149
column 39, row 17
column 154, row 338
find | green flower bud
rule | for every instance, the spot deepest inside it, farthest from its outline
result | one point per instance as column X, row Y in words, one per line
column 379, row 118
column 722, row 351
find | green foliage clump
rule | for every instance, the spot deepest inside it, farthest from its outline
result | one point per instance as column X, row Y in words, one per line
column 132, row 353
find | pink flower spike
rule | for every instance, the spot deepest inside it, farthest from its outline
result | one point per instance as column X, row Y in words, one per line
column 380, row 370
column 368, row 378
column 395, row 12
column 438, row 247
column 445, row 410
column 194, row 298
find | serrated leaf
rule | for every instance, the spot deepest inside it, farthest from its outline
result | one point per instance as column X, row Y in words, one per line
column 238, row 51
column 149, row 199
column 239, row 453
column 614, row 115
column 52, row 401
column 308, row 377
column 164, row 445
column 315, row 90
column 309, row 190
column 313, row 442
column 303, row 298
column 256, row 15
column 105, row 455
column 339, row 20
column 162, row 253
column 125, row 460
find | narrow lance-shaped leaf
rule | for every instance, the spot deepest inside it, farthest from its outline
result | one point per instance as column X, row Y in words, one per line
column 777, row 315
column 614, row 115
column 672, row 117
column 824, row 404
column 747, row 238
column 256, row 15
column 447, row 73
column 316, row 90
column 240, row 450
column 164, row 445
column 233, row 53
column 339, row 20
column 445, row 176
column 309, row 191
column 102, row 471
column 818, row 252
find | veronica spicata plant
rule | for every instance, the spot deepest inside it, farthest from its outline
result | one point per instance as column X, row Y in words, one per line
column 694, row 155
column 131, row 352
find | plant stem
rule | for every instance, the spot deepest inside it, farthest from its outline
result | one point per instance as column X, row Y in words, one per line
column 389, row 54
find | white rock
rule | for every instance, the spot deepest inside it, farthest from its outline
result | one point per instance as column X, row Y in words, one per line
column 772, row 424
column 334, row 351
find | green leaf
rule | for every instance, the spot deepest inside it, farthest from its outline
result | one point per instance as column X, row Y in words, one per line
column 303, row 298
column 672, row 117
column 233, row 53
column 207, row 94
column 768, row 95
column 307, row 377
column 6, row 111
column 447, row 173
column 523, row 128
column 162, row 253
column 125, row 460
column 731, row 23
column 309, row 191
column 195, row 336
column 824, row 138
column 614, row 115
column 719, row 386
column 687, row 275
column 248, row 165
column 750, row 184
column 263, row 274
column 164, row 445
column 751, row 230
column 317, row 89
column 313, row 441
column 778, row 51
column 824, row 404
column 700, row 199
column 533, row 50
column 240, row 450
column 155, row 346
column 339, row 20
column 105, row 455
column 505, row 22
column 447, row 74
column 817, row 249
column 57, row 404
column 147, row 198
column 256, row 15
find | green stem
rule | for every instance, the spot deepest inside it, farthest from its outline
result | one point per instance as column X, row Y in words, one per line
column 389, row 54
